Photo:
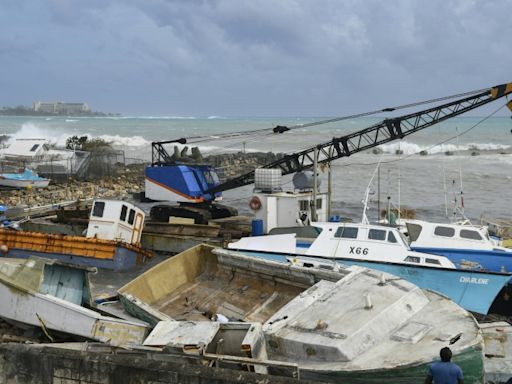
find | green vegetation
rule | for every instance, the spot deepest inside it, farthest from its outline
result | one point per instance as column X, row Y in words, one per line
column 83, row 143
column 22, row 110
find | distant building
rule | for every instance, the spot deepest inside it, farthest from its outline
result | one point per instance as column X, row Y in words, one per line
column 60, row 108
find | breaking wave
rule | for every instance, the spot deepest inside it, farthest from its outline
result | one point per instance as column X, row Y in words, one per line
column 408, row 148
column 33, row 131
column 123, row 141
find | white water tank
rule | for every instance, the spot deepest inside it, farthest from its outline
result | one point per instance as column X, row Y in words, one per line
column 267, row 180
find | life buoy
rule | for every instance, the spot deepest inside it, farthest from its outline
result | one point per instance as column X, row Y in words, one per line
column 255, row 203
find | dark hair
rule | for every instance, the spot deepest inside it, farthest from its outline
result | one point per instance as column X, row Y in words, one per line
column 446, row 354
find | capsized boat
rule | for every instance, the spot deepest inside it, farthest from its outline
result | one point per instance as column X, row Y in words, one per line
column 56, row 297
column 112, row 240
column 384, row 249
column 350, row 325
column 468, row 247
column 25, row 179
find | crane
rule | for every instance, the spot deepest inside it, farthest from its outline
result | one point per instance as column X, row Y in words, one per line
column 198, row 184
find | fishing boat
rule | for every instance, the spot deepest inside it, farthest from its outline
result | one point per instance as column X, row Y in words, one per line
column 112, row 240
column 348, row 324
column 468, row 247
column 56, row 297
column 385, row 249
column 25, row 179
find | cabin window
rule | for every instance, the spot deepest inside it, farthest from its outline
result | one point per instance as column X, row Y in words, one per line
column 34, row 147
column 346, row 232
column 318, row 203
column 444, row 231
column 414, row 231
column 208, row 177
column 469, row 234
column 131, row 216
column 124, row 210
column 304, row 205
column 412, row 259
column 376, row 234
column 432, row 261
column 98, row 209
column 391, row 237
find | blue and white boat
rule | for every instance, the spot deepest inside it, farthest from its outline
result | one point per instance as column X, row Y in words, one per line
column 385, row 249
column 467, row 246
column 25, row 179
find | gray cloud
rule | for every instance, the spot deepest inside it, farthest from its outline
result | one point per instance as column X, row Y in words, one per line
column 264, row 57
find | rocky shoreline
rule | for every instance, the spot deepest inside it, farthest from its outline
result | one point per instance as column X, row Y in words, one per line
column 127, row 180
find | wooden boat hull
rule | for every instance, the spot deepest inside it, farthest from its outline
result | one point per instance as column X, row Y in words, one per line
column 51, row 295
column 188, row 288
column 76, row 250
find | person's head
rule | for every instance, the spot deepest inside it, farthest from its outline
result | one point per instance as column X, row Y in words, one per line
column 446, row 354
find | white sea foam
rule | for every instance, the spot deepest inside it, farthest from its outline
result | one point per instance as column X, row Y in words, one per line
column 33, row 131
column 124, row 141
column 408, row 148
column 154, row 117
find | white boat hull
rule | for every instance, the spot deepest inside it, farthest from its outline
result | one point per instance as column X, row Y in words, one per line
column 11, row 183
column 54, row 314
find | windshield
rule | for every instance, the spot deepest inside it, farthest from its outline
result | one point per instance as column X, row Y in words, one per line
column 404, row 240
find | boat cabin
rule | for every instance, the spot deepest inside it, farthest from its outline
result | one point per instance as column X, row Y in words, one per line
column 347, row 241
column 116, row 220
column 369, row 242
column 439, row 235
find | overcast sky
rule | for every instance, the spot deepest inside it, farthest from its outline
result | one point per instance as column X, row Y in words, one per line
column 250, row 57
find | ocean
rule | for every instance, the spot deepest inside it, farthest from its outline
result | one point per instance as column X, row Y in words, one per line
column 478, row 169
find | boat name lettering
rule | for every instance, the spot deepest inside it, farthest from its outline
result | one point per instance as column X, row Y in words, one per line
column 473, row 280
column 358, row 250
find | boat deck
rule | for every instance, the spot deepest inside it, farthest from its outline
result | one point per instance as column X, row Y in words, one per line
column 234, row 294
column 197, row 285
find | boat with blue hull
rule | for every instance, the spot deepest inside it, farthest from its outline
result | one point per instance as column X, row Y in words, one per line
column 468, row 247
column 112, row 240
column 384, row 249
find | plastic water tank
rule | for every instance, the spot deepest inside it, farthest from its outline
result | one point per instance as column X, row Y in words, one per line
column 305, row 180
column 267, row 180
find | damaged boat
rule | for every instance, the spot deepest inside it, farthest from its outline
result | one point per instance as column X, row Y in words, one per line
column 350, row 324
column 112, row 240
column 384, row 249
column 56, row 297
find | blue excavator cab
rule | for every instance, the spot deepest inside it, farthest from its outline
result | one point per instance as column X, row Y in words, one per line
column 181, row 183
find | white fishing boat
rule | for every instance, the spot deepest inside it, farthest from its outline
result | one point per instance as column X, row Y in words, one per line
column 56, row 298
column 467, row 246
column 385, row 249
column 350, row 325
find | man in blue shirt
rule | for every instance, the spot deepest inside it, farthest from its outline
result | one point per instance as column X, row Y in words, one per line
column 444, row 371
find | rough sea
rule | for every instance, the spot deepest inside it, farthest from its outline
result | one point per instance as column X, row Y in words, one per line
column 479, row 167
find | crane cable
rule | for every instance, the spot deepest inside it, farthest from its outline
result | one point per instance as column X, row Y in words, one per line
column 281, row 129
column 412, row 154
column 258, row 133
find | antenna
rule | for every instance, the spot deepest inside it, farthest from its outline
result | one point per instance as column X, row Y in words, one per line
column 367, row 194
column 399, row 178
column 460, row 174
